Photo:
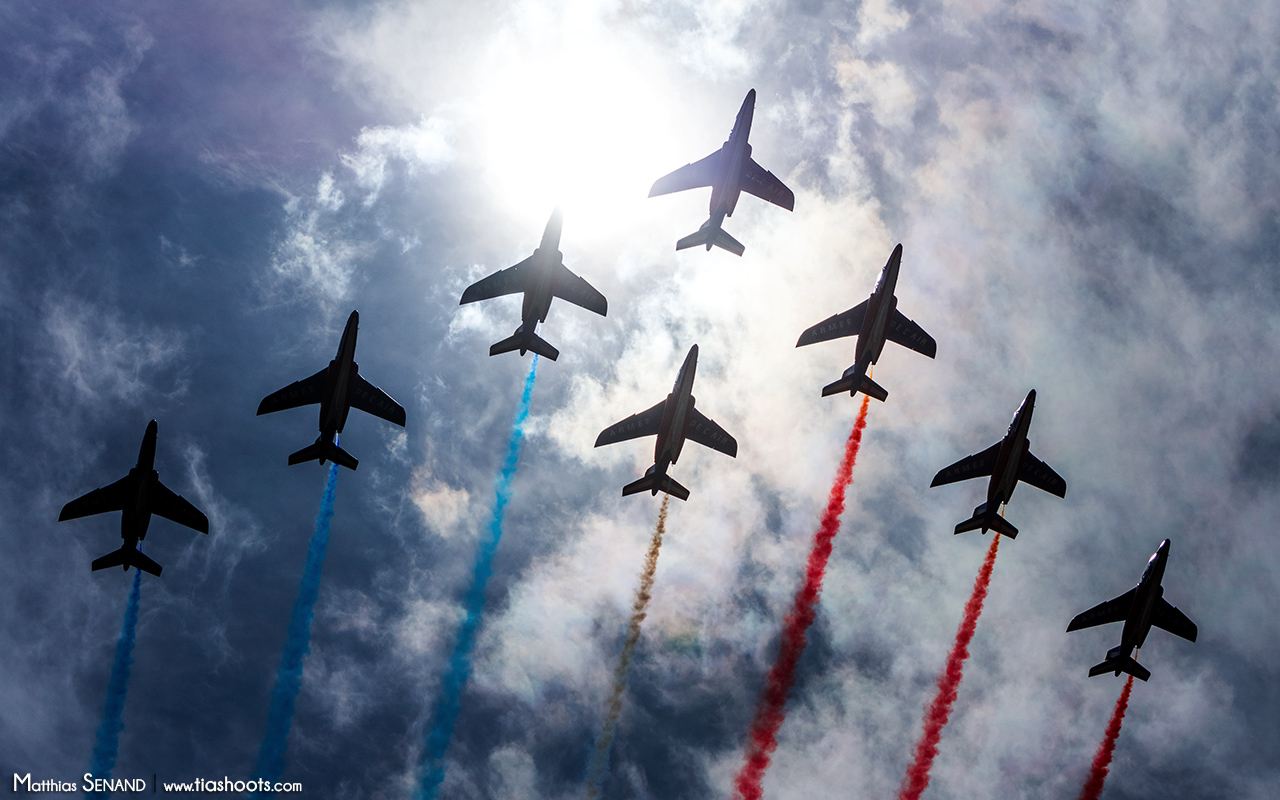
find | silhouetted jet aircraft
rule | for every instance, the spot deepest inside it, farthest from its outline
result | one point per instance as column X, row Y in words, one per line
column 138, row 495
column 728, row 171
column 673, row 420
column 1007, row 462
column 542, row 276
column 338, row 388
column 1140, row 608
column 874, row 321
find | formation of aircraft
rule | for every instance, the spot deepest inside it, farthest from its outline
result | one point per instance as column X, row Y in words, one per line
column 672, row 420
column 541, row 277
column 137, row 496
column 1007, row 461
column 337, row 388
column 729, row 172
column 874, row 321
column 1139, row 608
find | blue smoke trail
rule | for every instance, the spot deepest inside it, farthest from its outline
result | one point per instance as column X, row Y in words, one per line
column 297, row 644
column 104, row 752
column 440, row 730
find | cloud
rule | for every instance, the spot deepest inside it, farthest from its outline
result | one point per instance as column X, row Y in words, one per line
column 101, row 358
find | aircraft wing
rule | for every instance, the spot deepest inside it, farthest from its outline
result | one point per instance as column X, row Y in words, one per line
column 909, row 335
column 690, row 176
column 764, row 184
column 372, row 400
column 176, row 508
column 1172, row 620
column 576, row 290
column 1116, row 610
column 646, row 423
column 1040, row 475
column 978, row 465
column 846, row 323
column 707, row 433
column 299, row 393
column 107, row 498
column 506, row 281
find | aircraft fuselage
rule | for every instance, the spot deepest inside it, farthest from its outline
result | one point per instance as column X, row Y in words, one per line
column 1004, row 478
column 1150, row 589
column 871, row 336
column 537, row 299
column 727, row 187
column 335, row 405
column 676, row 414
column 136, row 515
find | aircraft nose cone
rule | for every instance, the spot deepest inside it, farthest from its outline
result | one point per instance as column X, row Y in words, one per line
column 1031, row 397
column 355, row 317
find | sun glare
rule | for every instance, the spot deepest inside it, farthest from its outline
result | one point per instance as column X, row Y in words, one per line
column 572, row 112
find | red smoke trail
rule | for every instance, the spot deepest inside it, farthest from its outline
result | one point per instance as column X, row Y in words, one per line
column 1102, row 761
column 935, row 718
column 763, row 738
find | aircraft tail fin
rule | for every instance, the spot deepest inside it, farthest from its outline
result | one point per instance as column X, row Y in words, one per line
column 1118, row 663
column 525, row 341
column 709, row 236
column 654, row 483
column 855, row 381
column 127, row 557
column 987, row 519
column 323, row 451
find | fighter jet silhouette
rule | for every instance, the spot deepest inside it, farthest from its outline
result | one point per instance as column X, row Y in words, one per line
column 673, row 421
column 337, row 388
column 542, row 277
column 1007, row 462
column 1140, row 608
column 728, row 171
column 874, row 321
column 137, row 495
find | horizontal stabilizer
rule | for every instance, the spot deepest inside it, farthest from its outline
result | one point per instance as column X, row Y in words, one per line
column 1118, row 664
column 987, row 520
column 323, row 451
column 853, row 382
column 523, row 342
column 654, row 483
column 709, row 236
column 127, row 557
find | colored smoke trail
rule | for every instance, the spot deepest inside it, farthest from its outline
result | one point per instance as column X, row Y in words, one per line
column 1102, row 760
column 935, row 718
column 639, row 608
column 297, row 643
column 440, row 728
column 104, row 752
column 763, row 737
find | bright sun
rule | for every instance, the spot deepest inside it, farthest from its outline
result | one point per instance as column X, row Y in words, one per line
column 571, row 112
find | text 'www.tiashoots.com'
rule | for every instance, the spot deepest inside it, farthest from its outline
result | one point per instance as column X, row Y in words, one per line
column 92, row 784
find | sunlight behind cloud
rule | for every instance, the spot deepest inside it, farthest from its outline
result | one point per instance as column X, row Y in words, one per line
column 575, row 112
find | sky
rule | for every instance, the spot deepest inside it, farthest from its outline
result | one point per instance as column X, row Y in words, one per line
column 195, row 196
